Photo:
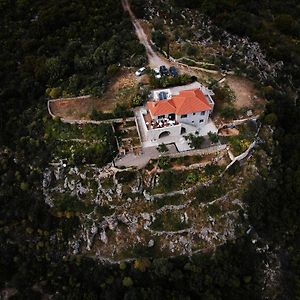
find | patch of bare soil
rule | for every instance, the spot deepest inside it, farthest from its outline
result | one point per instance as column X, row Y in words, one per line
column 120, row 91
column 229, row 132
column 75, row 108
column 246, row 93
column 125, row 80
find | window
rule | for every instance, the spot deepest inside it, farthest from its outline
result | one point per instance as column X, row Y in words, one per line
column 161, row 117
column 202, row 113
column 201, row 121
column 183, row 116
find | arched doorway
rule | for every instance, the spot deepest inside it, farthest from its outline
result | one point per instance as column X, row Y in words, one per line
column 183, row 130
column 164, row 134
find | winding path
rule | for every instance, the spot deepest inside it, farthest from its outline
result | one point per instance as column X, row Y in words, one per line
column 153, row 58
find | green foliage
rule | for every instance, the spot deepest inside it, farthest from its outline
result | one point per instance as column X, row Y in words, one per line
column 44, row 45
column 126, row 176
column 120, row 111
column 212, row 169
column 191, row 51
column 195, row 141
column 24, row 186
column 228, row 112
column 112, row 70
column 213, row 210
column 210, row 192
column 164, row 162
column 159, row 38
column 127, row 282
column 67, row 50
column 137, row 100
column 213, row 137
column 271, row 119
column 162, row 148
column 169, row 221
column 169, row 81
column 98, row 115
column 192, row 178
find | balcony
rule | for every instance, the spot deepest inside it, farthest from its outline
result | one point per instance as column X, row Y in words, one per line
column 162, row 123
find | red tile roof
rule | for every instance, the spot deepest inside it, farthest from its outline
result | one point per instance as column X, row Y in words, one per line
column 185, row 103
column 161, row 107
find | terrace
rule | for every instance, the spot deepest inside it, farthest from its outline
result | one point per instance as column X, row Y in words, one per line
column 162, row 123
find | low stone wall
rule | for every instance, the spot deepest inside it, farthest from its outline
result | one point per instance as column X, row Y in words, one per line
column 239, row 122
column 210, row 150
column 109, row 121
column 63, row 99
column 69, row 121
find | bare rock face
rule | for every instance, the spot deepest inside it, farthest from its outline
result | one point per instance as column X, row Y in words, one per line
column 94, row 229
column 71, row 184
column 103, row 237
column 119, row 189
column 171, row 247
column 249, row 113
column 112, row 224
column 151, row 243
column 147, row 196
column 74, row 246
column 146, row 216
column 47, row 178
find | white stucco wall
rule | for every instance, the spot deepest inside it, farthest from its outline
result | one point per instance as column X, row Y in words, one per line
column 194, row 119
column 153, row 134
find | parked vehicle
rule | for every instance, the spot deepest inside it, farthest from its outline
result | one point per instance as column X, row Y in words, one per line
column 173, row 71
column 140, row 71
column 163, row 70
column 157, row 73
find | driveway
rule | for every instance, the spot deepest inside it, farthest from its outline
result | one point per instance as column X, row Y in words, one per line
column 153, row 59
column 140, row 161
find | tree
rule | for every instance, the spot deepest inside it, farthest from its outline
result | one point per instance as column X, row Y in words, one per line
column 159, row 38
column 162, row 148
column 213, row 137
column 127, row 282
column 137, row 100
column 195, row 141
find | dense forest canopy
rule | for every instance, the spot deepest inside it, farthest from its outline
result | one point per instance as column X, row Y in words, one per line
column 63, row 48
column 60, row 48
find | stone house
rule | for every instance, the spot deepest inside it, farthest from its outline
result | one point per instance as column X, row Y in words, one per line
column 177, row 111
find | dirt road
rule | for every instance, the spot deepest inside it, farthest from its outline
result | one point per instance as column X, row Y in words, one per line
column 154, row 60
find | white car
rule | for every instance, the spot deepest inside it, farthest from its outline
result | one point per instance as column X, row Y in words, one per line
column 140, row 71
column 157, row 73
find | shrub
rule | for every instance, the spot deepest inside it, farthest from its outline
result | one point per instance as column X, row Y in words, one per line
column 195, row 141
column 213, row 137
column 191, row 178
column 121, row 111
column 162, row 148
column 112, row 70
column 191, row 51
column 271, row 119
column 127, row 282
column 164, row 162
column 209, row 193
column 136, row 100
column 228, row 112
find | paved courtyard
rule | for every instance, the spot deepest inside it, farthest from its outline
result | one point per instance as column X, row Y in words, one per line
column 140, row 161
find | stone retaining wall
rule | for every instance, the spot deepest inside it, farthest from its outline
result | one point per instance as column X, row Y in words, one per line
column 69, row 121
column 205, row 151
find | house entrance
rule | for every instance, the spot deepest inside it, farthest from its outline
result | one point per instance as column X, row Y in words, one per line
column 183, row 130
column 164, row 134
